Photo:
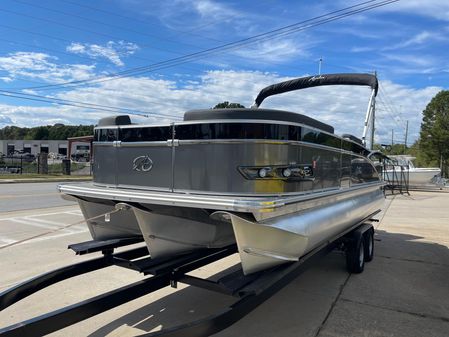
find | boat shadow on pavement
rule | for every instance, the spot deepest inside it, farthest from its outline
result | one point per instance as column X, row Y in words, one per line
column 408, row 276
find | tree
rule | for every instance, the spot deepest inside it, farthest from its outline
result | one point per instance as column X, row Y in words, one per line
column 434, row 135
column 55, row 132
column 227, row 105
column 38, row 133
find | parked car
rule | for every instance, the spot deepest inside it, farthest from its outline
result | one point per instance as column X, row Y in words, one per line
column 80, row 157
column 17, row 157
column 10, row 164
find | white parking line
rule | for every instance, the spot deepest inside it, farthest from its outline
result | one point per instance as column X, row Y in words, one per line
column 79, row 213
column 54, row 229
column 54, row 236
column 48, row 224
column 28, row 222
column 45, row 222
column 41, row 214
column 6, row 241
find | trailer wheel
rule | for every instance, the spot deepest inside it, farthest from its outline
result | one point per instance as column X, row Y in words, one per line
column 355, row 256
column 368, row 239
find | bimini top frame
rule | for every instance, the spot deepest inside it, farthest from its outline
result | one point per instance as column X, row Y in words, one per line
column 323, row 80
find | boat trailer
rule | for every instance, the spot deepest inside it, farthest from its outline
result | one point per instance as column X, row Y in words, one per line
column 250, row 290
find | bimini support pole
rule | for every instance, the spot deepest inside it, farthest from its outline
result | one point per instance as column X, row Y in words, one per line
column 369, row 120
column 373, row 119
column 254, row 105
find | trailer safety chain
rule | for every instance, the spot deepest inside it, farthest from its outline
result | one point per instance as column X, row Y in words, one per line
column 63, row 227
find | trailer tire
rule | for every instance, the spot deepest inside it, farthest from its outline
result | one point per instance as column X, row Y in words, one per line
column 355, row 256
column 368, row 239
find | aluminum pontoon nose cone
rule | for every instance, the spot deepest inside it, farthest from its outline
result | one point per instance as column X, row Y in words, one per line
column 122, row 206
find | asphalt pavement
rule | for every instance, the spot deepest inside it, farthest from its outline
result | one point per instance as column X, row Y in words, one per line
column 22, row 196
column 402, row 292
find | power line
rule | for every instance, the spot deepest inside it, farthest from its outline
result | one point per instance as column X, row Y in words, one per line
column 387, row 100
column 52, row 37
column 66, row 53
column 45, row 48
column 86, row 58
column 233, row 45
column 109, row 36
column 290, row 29
column 59, row 52
column 82, row 57
column 40, row 98
column 99, row 23
column 388, row 110
column 170, row 65
column 134, row 19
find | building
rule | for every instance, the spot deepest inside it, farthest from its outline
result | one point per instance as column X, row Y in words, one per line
column 38, row 146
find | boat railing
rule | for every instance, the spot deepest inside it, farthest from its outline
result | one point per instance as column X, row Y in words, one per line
column 396, row 177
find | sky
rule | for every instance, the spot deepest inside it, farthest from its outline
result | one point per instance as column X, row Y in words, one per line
column 177, row 55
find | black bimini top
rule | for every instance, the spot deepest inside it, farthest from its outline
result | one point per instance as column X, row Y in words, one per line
column 315, row 81
column 253, row 114
column 286, row 116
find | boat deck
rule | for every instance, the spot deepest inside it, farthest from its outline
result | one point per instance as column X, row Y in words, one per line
column 402, row 292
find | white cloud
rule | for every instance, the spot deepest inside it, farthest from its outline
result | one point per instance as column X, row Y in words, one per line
column 341, row 106
column 420, row 39
column 275, row 51
column 397, row 104
column 437, row 9
column 211, row 20
column 29, row 116
column 6, row 79
column 408, row 63
column 30, row 92
column 192, row 11
column 410, row 59
column 5, row 120
column 362, row 49
column 213, row 10
column 43, row 67
column 112, row 51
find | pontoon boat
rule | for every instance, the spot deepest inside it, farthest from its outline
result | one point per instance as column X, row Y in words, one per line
column 275, row 182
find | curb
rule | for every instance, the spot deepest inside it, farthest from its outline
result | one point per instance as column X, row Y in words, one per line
column 42, row 180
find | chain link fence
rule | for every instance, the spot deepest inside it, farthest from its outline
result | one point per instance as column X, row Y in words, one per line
column 43, row 163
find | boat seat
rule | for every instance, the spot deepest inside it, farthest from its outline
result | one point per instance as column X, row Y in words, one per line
column 353, row 138
column 115, row 120
column 262, row 114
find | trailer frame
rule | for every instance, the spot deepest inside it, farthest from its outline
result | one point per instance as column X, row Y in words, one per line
column 250, row 290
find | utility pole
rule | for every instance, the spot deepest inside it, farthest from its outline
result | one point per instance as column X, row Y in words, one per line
column 392, row 137
column 406, row 134
column 319, row 65
column 373, row 130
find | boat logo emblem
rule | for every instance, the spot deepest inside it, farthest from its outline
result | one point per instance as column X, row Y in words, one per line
column 142, row 164
column 316, row 78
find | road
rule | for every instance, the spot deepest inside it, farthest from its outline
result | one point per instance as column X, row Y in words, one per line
column 23, row 196
column 35, row 212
